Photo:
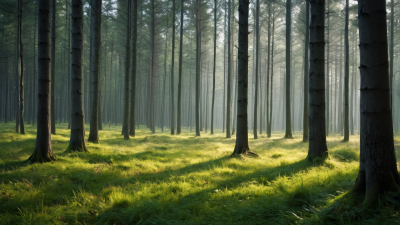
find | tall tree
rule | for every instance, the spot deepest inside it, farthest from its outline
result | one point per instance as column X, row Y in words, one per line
column 172, row 71
column 77, row 140
column 306, row 75
column 257, row 33
column 228, row 97
column 378, row 170
column 346, row 74
column 133, row 71
column 317, row 146
column 94, row 73
column 20, row 70
column 214, row 62
column 288, row 130
column 198, row 54
column 178, row 126
column 53, row 65
column 125, row 123
column 43, row 150
column 242, row 136
column 391, row 50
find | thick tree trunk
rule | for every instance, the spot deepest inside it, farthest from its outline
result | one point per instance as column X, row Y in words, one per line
column 77, row 140
column 43, row 150
column 288, row 130
column 172, row 71
column 133, row 72
column 95, row 61
column 178, row 127
column 317, row 138
column 346, row 75
column 242, row 139
column 378, row 170
column 306, row 73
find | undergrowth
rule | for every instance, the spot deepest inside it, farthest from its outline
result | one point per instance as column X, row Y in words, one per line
column 164, row 179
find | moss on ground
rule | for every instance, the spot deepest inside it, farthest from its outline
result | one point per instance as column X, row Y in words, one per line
column 164, row 179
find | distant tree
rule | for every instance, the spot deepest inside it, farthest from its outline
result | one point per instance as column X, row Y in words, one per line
column 77, row 140
column 172, row 100
column 125, row 123
column 317, row 146
column 179, row 119
column 133, row 71
column 43, row 150
column 228, row 97
column 378, row 169
column 198, row 53
column 95, row 61
column 20, row 70
column 288, row 130
column 346, row 73
column 257, row 59
column 214, row 62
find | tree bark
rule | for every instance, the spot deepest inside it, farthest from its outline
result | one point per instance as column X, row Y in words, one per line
column 214, row 65
column 198, row 54
column 306, row 74
column 20, row 70
column 346, row 75
column 95, row 61
column 43, row 150
column 288, row 130
column 77, row 140
column 256, row 69
column 53, row 63
column 228, row 99
column 133, row 72
column 172, row 71
column 391, row 52
column 178, row 127
column 125, row 125
column 317, row 146
column 378, row 170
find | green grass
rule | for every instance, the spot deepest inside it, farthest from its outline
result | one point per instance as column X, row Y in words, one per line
column 164, row 179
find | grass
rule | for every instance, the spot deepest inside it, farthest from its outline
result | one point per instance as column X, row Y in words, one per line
column 164, row 179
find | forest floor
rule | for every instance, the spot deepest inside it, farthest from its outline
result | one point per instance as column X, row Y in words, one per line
column 164, row 179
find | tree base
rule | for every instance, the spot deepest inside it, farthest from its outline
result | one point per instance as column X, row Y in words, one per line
column 76, row 149
column 36, row 157
column 93, row 140
column 317, row 159
column 244, row 153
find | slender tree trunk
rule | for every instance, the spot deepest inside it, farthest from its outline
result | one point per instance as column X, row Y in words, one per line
column 95, row 61
column 133, row 72
column 214, row 65
column 172, row 71
column 327, row 73
column 317, row 147
column 77, row 140
column 198, row 53
column 391, row 52
column 306, row 73
column 228, row 99
column 288, row 130
column 125, row 125
column 256, row 70
column 165, row 76
column 20, row 70
column 53, row 63
column 268, row 70
column 378, row 170
column 151, row 77
column 346, row 75
column 178, row 128
column 272, row 73
column 43, row 150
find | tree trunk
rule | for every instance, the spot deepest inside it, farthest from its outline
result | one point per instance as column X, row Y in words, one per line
column 20, row 70
column 178, row 127
column 53, row 63
column 272, row 73
column 198, row 53
column 172, row 71
column 256, row 69
column 391, row 52
column 327, row 74
column 43, row 150
column 346, row 75
column 378, row 170
column 34, row 71
column 242, row 139
column 268, row 71
column 214, row 65
column 165, row 77
column 95, row 61
column 288, row 130
column 317, row 147
column 306, row 74
column 228, row 99
column 133, row 72
column 77, row 140
column 125, row 125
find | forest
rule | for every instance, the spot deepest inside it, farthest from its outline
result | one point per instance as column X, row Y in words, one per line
column 199, row 112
